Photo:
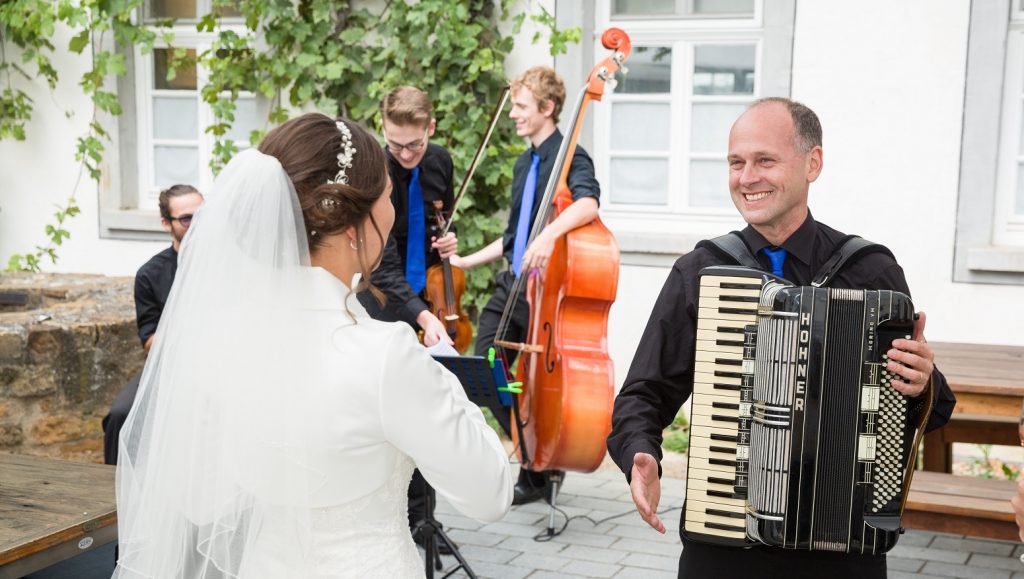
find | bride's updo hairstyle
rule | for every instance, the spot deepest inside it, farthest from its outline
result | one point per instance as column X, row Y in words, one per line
column 333, row 196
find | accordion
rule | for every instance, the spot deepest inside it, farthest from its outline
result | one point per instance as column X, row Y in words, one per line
column 797, row 438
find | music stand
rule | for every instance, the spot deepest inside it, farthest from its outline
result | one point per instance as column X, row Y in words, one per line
column 485, row 385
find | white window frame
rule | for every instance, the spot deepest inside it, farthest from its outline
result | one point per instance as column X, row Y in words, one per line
column 984, row 250
column 643, row 230
column 127, row 208
column 1008, row 226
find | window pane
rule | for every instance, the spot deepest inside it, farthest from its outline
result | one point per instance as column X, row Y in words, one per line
column 709, row 126
column 643, row 7
column 723, row 6
column 1018, row 204
column 724, row 69
column 173, row 165
column 185, row 79
column 1021, row 136
column 171, row 9
column 709, row 184
column 175, row 118
column 650, row 71
column 639, row 181
column 246, row 119
column 640, row 126
column 227, row 8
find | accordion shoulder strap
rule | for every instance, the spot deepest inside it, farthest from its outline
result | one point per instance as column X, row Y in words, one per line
column 848, row 248
column 731, row 247
column 734, row 250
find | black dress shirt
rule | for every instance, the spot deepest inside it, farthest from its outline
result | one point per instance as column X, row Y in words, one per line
column 152, row 286
column 660, row 379
column 581, row 181
column 436, row 171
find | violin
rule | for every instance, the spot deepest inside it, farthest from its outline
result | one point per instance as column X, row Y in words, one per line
column 445, row 286
column 563, row 414
column 445, row 282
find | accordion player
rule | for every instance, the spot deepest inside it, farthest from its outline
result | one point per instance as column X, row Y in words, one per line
column 798, row 440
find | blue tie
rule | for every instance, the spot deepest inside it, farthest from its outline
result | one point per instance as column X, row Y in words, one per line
column 777, row 257
column 415, row 254
column 525, row 211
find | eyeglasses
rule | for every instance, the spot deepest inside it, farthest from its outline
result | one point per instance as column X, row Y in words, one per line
column 185, row 220
column 413, row 147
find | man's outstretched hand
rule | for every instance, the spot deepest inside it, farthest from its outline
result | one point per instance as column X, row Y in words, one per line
column 645, row 486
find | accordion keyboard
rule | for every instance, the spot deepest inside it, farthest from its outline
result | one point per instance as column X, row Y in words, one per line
column 716, row 487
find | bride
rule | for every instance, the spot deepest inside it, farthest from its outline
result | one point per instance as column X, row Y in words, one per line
column 277, row 425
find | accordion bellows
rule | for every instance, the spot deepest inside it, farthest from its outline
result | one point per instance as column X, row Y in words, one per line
column 798, row 440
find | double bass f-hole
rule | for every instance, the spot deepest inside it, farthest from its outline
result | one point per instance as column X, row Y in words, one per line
column 549, row 362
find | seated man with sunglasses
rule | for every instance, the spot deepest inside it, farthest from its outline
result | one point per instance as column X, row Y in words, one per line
column 152, row 286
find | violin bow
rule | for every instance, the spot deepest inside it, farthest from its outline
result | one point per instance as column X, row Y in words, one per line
column 476, row 158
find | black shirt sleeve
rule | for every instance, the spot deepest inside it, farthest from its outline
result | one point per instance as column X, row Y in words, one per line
column 582, row 182
column 660, row 377
column 390, row 279
column 147, row 307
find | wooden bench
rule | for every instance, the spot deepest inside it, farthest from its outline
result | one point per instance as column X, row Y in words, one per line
column 51, row 510
column 989, row 385
column 962, row 505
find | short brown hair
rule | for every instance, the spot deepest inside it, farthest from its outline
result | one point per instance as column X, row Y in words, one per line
column 170, row 193
column 545, row 85
column 308, row 148
column 407, row 106
column 806, row 125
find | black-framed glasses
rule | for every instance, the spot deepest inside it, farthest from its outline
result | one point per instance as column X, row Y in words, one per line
column 185, row 220
column 413, row 147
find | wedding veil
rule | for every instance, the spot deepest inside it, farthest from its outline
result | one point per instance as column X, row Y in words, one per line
column 216, row 445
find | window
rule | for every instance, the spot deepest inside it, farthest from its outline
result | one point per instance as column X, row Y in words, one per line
column 990, row 212
column 1008, row 226
column 162, row 137
column 172, row 117
column 661, row 138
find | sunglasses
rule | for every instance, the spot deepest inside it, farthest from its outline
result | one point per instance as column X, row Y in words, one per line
column 185, row 220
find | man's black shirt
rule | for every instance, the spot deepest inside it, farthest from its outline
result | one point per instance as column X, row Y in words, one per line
column 152, row 286
column 660, row 379
column 581, row 180
column 436, row 173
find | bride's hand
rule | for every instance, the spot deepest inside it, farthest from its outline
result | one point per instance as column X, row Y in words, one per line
column 433, row 330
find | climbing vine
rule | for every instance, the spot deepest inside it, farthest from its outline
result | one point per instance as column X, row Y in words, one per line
column 337, row 56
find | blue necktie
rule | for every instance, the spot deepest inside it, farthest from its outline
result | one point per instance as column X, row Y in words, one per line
column 525, row 211
column 777, row 257
column 415, row 254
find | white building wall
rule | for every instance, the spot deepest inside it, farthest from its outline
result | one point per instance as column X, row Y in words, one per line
column 887, row 80
column 41, row 172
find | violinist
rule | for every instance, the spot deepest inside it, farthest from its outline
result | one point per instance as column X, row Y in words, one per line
column 537, row 97
column 421, row 173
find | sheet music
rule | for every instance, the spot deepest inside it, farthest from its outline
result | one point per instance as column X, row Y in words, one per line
column 442, row 348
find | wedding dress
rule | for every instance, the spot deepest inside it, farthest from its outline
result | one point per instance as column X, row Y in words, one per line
column 277, row 425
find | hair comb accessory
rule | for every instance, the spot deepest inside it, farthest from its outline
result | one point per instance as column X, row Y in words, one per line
column 345, row 156
column 327, row 203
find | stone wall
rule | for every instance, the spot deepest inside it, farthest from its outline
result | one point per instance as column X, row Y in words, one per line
column 68, row 344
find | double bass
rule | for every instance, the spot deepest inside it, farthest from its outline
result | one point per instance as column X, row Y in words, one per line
column 563, row 415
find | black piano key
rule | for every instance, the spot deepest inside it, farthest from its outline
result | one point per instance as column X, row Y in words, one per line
column 724, row 495
column 721, row 462
column 719, row 386
column 738, row 298
column 735, row 343
column 723, row 449
column 721, row 513
column 721, row 481
column 724, row 374
column 743, row 286
column 728, row 362
column 740, row 311
column 729, row 330
column 727, row 405
column 725, row 437
column 720, row 418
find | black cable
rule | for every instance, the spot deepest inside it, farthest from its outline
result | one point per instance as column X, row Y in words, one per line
column 545, row 537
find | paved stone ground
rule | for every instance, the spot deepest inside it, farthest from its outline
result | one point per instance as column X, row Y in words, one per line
column 626, row 548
